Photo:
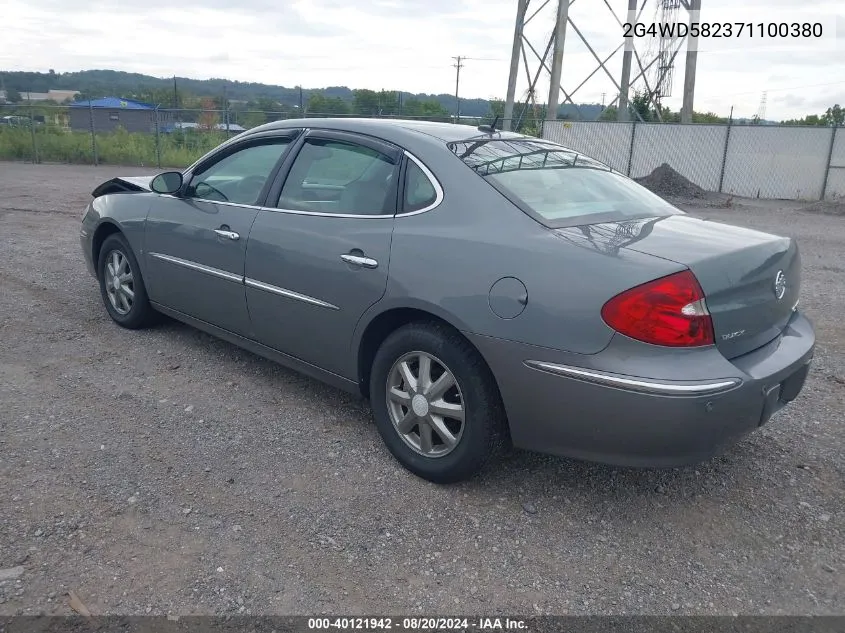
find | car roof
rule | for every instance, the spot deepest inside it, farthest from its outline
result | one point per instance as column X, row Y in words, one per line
column 393, row 129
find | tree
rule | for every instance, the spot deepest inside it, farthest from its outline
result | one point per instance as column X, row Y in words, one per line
column 320, row 104
column 834, row 116
column 209, row 118
column 428, row 109
column 812, row 119
column 365, row 102
column 641, row 103
column 157, row 96
column 707, row 117
column 609, row 114
column 13, row 96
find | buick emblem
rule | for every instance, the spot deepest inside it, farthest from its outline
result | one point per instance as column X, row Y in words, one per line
column 780, row 285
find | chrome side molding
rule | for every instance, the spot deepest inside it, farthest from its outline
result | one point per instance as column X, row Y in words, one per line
column 661, row 387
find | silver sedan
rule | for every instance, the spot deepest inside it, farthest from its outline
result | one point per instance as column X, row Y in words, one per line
column 480, row 288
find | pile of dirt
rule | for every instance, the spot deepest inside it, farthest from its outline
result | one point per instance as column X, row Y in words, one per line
column 665, row 181
column 826, row 207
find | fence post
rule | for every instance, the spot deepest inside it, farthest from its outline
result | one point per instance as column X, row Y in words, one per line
column 725, row 157
column 829, row 160
column 32, row 129
column 631, row 149
column 158, row 141
column 93, row 137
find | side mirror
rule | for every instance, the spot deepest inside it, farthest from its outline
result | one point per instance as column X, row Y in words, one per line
column 167, row 182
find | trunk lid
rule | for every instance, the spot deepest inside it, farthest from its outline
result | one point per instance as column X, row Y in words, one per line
column 751, row 279
column 123, row 184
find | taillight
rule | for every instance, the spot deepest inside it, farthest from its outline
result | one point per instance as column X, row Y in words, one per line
column 668, row 311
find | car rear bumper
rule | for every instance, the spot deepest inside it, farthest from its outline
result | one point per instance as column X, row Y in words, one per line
column 573, row 406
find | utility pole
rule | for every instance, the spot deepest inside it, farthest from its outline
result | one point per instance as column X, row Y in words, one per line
column 458, row 67
column 507, row 116
column 557, row 59
column 226, row 109
column 301, row 111
column 692, row 60
column 175, row 94
column 622, row 113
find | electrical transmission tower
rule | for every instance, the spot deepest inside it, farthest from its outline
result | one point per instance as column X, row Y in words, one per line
column 655, row 74
column 664, row 74
column 761, row 111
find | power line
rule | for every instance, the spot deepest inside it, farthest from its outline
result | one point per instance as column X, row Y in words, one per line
column 736, row 94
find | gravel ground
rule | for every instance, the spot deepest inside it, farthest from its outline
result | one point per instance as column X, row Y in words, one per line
column 166, row 472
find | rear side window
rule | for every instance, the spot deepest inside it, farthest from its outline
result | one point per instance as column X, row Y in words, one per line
column 419, row 190
column 558, row 186
column 341, row 178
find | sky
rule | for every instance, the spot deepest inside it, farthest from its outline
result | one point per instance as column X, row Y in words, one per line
column 410, row 44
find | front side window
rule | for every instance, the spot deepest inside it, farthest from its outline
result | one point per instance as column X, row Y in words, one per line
column 559, row 186
column 340, row 177
column 419, row 191
column 239, row 177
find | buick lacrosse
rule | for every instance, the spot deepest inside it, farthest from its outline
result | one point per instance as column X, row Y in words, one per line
column 481, row 288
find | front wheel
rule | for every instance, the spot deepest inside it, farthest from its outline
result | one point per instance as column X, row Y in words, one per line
column 121, row 285
column 435, row 403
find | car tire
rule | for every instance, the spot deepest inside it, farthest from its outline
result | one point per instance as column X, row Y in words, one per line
column 128, row 304
column 467, row 446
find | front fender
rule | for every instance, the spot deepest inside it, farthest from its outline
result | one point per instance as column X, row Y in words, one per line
column 126, row 213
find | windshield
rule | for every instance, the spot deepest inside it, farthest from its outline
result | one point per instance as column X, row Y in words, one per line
column 558, row 186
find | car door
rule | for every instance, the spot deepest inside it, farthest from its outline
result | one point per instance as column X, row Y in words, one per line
column 196, row 240
column 319, row 252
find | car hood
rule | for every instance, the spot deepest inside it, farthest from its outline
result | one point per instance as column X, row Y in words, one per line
column 123, row 184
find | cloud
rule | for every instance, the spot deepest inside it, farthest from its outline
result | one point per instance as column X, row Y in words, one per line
column 396, row 44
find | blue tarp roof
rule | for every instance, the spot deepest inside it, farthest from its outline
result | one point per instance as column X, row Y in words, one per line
column 113, row 103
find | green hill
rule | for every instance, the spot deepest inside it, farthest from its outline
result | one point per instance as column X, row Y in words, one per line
column 101, row 83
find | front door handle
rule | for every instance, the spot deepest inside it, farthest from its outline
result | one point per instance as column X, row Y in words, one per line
column 360, row 260
column 229, row 235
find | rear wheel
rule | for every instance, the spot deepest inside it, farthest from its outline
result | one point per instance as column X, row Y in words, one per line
column 121, row 285
column 435, row 403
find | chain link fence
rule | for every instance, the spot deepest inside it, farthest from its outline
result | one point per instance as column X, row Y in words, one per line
column 765, row 161
column 757, row 161
column 144, row 137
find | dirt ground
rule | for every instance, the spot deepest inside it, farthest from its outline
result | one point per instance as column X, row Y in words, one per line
column 166, row 472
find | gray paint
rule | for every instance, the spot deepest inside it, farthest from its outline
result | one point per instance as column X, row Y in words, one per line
column 528, row 297
column 185, row 228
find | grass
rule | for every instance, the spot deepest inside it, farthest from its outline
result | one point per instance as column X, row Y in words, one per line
column 56, row 145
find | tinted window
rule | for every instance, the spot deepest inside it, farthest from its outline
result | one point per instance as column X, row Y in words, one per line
column 340, row 177
column 240, row 177
column 557, row 185
column 419, row 192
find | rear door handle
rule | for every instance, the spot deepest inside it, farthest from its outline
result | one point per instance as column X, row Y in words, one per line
column 360, row 260
column 231, row 235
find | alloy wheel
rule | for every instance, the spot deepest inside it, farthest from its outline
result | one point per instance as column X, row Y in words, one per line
column 425, row 404
column 119, row 282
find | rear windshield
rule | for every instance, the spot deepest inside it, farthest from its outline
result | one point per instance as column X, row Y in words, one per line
column 558, row 186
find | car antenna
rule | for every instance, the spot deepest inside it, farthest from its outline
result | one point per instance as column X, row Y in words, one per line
column 489, row 128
